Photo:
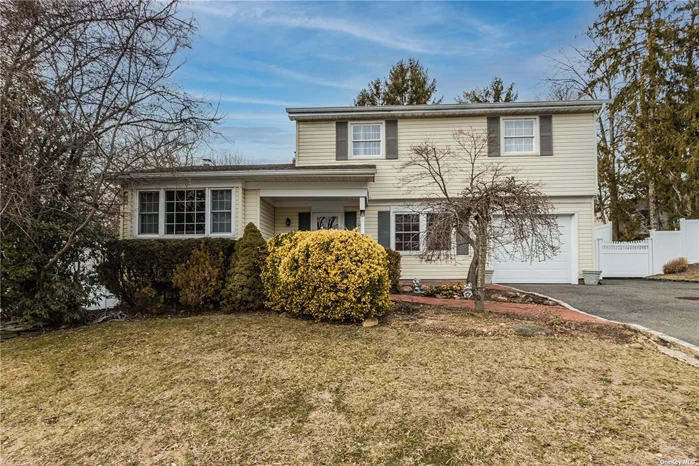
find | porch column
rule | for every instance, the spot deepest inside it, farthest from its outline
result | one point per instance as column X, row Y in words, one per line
column 362, row 208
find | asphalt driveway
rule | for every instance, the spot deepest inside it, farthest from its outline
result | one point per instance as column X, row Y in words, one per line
column 650, row 303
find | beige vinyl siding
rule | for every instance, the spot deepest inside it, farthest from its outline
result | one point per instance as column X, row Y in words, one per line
column 292, row 213
column 267, row 219
column 251, row 199
column 126, row 215
column 239, row 194
column 571, row 171
column 585, row 215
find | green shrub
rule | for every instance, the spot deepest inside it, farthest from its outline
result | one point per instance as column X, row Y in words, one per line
column 678, row 265
column 327, row 274
column 243, row 290
column 394, row 269
column 140, row 271
column 199, row 281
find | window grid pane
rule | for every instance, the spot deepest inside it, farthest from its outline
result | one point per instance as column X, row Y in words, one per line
column 407, row 232
column 221, row 211
column 366, row 140
column 185, row 212
column 366, row 148
column 519, row 144
column 148, row 212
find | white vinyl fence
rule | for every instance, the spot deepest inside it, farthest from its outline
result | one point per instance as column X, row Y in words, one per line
column 629, row 259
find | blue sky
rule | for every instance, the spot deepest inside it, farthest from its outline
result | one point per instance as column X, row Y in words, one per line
column 259, row 58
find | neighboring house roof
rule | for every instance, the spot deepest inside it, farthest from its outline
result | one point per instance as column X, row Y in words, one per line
column 445, row 110
column 269, row 172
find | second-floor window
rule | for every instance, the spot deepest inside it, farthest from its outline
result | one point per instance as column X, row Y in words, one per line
column 366, row 140
column 519, row 136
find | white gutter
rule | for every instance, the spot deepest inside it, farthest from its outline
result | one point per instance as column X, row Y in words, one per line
column 416, row 111
column 251, row 173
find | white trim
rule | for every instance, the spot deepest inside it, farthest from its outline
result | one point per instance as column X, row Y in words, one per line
column 311, row 192
column 537, row 147
column 293, row 172
column 382, row 144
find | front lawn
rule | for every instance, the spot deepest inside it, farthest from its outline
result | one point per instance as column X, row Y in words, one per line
column 431, row 387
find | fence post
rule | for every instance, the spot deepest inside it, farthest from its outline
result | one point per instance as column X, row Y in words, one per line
column 684, row 237
column 598, row 256
column 651, row 260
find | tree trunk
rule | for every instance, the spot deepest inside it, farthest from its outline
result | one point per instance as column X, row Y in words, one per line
column 653, row 206
column 482, row 254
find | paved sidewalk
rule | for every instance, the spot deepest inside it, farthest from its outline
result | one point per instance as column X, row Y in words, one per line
column 528, row 310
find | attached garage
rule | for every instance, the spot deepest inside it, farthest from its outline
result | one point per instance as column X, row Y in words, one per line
column 559, row 269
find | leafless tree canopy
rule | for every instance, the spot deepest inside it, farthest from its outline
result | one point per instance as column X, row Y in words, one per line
column 86, row 93
column 480, row 200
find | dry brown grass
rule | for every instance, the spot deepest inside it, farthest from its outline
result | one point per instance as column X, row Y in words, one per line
column 428, row 387
column 691, row 274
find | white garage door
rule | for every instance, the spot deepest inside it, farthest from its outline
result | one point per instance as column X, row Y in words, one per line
column 554, row 270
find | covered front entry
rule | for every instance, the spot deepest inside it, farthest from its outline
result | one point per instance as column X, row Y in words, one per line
column 559, row 269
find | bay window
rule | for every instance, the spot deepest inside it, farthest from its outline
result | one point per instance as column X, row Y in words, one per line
column 184, row 212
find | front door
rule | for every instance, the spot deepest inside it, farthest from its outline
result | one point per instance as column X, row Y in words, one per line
column 326, row 221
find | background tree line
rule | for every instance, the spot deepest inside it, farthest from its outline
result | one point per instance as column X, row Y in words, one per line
column 643, row 58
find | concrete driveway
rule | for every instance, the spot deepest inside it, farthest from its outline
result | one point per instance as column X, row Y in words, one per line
column 650, row 303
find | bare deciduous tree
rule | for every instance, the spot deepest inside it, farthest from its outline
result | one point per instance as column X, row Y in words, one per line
column 473, row 198
column 86, row 94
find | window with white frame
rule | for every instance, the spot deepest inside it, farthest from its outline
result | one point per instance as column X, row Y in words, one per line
column 407, row 232
column 185, row 212
column 148, row 212
column 366, row 139
column 519, row 136
column 221, row 211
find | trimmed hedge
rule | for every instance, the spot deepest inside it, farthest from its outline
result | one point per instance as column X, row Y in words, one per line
column 327, row 274
column 140, row 271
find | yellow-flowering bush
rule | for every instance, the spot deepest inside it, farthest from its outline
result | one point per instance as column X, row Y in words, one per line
column 327, row 274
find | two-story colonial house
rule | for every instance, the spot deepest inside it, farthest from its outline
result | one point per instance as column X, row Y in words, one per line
column 346, row 174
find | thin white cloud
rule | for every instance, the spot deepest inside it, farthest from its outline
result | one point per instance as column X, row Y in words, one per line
column 381, row 34
column 244, row 100
column 306, row 78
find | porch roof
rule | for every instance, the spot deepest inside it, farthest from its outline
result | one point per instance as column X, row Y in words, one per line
column 271, row 172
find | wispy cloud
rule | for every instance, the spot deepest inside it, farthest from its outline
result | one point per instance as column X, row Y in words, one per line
column 310, row 79
column 244, row 100
column 381, row 34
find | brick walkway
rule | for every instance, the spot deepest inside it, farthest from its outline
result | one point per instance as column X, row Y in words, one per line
column 529, row 310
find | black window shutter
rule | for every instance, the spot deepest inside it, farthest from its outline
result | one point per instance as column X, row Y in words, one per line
column 385, row 228
column 493, row 136
column 340, row 140
column 304, row 221
column 546, row 134
column 391, row 139
column 350, row 220
column 461, row 245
